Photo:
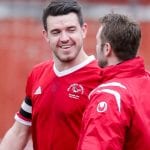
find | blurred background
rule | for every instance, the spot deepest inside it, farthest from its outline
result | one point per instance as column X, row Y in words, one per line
column 22, row 44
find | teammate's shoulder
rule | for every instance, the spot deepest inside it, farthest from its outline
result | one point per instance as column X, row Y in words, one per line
column 109, row 86
column 93, row 62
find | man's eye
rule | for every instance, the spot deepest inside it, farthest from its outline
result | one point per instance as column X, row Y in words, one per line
column 55, row 32
column 72, row 29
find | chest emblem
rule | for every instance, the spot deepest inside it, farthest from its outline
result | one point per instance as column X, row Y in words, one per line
column 75, row 91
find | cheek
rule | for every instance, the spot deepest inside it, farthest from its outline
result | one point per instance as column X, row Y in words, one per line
column 78, row 39
column 53, row 41
column 97, row 49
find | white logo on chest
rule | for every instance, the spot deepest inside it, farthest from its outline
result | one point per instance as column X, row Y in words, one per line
column 75, row 90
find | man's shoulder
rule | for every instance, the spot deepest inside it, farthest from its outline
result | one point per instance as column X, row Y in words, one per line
column 109, row 86
column 92, row 66
column 42, row 66
column 41, row 69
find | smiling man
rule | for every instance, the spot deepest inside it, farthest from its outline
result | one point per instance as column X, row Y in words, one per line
column 57, row 90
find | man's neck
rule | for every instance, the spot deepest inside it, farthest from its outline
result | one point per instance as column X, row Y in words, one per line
column 61, row 66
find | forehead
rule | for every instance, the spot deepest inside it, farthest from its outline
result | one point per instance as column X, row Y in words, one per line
column 61, row 21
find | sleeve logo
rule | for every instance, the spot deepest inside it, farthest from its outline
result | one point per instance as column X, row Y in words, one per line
column 102, row 107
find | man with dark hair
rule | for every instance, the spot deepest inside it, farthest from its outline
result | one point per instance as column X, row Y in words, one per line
column 57, row 90
column 118, row 116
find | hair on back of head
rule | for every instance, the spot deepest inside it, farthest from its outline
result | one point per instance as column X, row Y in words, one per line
column 123, row 33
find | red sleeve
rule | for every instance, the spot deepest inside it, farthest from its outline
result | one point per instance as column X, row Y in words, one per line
column 24, row 115
column 105, row 121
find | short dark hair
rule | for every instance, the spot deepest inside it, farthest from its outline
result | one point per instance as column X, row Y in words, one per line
column 62, row 7
column 122, row 33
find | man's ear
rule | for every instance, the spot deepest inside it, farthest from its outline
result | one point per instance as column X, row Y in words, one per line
column 45, row 35
column 107, row 49
column 84, row 29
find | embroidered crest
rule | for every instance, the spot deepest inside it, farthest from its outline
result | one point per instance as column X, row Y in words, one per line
column 75, row 90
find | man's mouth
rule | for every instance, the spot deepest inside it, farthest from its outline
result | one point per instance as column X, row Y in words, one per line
column 65, row 46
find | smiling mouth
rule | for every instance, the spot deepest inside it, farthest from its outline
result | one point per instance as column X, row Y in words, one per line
column 65, row 46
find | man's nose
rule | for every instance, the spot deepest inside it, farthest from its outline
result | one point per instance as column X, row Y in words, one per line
column 64, row 37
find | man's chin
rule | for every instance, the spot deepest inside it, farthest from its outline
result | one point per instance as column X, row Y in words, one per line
column 66, row 60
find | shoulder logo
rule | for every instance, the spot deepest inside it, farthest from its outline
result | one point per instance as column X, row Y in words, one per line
column 102, row 107
column 38, row 91
column 75, row 90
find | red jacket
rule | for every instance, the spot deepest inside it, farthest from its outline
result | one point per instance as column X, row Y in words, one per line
column 118, row 116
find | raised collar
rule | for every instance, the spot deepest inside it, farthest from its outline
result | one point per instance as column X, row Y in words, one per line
column 130, row 68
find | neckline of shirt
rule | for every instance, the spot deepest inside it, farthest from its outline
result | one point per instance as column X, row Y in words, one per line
column 75, row 68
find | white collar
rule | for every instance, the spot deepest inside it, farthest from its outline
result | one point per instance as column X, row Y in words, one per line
column 74, row 68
